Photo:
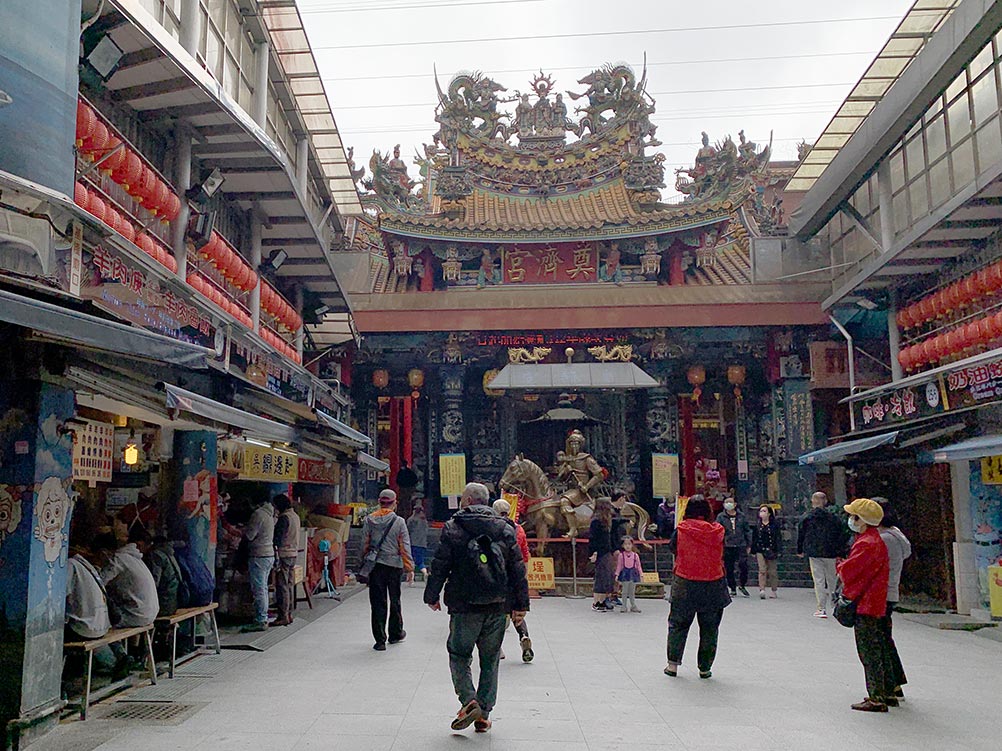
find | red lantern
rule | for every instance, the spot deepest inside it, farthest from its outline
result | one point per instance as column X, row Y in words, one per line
column 982, row 281
column 96, row 206
column 97, row 140
column 971, row 334
column 954, row 297
column 926, row 310
column 986, row 331
column 955, row 341
column 158, row 196
column 111, row 155
column 969, row 289
column 86, row 120
column 905, row 358
column 80, row 195
column 112, row 218
column 172, row 207
column 129, row 171
column 144, row 186
column 127, row 230
column 996, row 325
column 995, row 277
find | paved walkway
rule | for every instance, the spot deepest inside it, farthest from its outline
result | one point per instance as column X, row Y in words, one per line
column 783, row 680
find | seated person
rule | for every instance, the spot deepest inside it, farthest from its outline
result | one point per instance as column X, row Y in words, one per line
column 160, row 559
column 131, row 589
column 86, row 604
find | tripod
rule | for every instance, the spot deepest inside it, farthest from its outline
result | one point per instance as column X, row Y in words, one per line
column 324, row 546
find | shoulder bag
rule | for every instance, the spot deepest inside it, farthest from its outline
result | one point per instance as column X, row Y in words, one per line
column 843, row 609
column 369, row 563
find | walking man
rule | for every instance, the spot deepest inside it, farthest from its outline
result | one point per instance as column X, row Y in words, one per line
column 386, row 532
column 479, row 563
column 821, row 539
column 737, row 546
column 260, row 534
column 287, row 528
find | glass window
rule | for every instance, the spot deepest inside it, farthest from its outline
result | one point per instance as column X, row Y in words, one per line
column 984, row 97
column 861, row 199
column 989, row 145
column 919, row 196
column 915, row 157
column 939, row 182
column 962, row 157
column 959, row 118
column 897, row 170
column 957, row 86
column 935, row 138
column 983, row 61
column 901, row 220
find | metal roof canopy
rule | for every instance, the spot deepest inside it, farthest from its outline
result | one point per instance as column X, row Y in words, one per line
column 368, row 460
column 595, row 375
column 921, row 21
column 160, row 81
column 839, row 451
column 972, row 448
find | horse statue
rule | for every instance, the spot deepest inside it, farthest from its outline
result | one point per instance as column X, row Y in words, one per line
column 543, row 513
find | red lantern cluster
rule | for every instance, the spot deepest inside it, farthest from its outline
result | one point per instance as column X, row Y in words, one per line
column 277, row 306
column 280, row 344
column 954, row 297
column 219, row 298
column 99, row 208
column 965, row 339
column 95, row 141
column 229, row 263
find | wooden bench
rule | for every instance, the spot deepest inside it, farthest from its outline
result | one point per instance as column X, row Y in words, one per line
column 188, row 614
column 112, row 637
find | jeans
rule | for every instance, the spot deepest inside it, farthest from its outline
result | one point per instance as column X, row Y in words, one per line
column 418, row 553
column 259, row 567
column 825, row 578
column 874, row 652
column 738, row 555
column 679, row 620
column 485, row 631
column 285, row 587
column 384, row 585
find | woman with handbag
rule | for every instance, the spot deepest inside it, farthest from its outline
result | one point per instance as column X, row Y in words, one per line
column 864, row 576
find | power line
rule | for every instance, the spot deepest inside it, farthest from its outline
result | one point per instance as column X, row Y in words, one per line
column 577, row 35
column 365, row 8
column 655, row 93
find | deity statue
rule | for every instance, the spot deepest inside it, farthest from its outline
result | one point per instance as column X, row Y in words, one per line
column 524, row 117
column 489, row 272
column 611, row 270
column 584, row 473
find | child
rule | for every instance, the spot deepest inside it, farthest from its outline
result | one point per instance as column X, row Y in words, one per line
column 417, row 528
column 628, row 573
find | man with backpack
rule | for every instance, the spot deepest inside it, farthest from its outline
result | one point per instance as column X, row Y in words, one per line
column 479, row 563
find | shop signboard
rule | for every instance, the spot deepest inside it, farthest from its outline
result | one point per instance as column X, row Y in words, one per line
column 269, row 465
column 550, row 264
column 93, row 449
column 741, row 441
column 451, row 474
column 319, row 472
column 664, row 475
column 995, row 590
column 539, row 572
column 229, row 457
column 799, row 417
column 830, row 367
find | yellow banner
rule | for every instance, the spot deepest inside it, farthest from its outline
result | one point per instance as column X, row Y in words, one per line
column 451, row 474
column 991, row 470
column 664, row 473
column 540, row 573
column 269, row 465
column 512, row 499
column 995, row 589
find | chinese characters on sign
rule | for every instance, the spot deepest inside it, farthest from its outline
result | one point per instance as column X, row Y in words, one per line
column 799, row 417
column 741, row 441
column 539, row 572
column 451, row 474
column 93, row 446
column 547, row 339
column 268, row 464
column 550, row 265
column 321, row 473
column 664, row 475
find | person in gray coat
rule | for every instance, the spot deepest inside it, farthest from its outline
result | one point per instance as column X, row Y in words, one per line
column 417, row 528
column 898, row 549
column 260, row 534
column 386, row 532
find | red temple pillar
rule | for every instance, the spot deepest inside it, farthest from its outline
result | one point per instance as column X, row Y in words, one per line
column 408, row 424
column 395, row 429
column 688, row 449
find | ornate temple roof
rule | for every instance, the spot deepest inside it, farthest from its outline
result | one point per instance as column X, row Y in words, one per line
column 495, row 176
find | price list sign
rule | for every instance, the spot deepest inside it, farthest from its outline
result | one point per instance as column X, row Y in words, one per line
column 93, row 446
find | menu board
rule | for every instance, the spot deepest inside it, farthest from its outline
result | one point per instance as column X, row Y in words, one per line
column 93, row 447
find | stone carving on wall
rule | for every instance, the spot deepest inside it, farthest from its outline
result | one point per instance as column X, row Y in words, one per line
column 525, row 355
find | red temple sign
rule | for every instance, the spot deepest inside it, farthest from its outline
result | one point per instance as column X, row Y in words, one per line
column 550, row 264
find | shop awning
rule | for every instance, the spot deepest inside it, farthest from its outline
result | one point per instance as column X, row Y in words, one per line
column 593, row 375
column 972, row 448
column 259, row 427
column 86, row 330
column 368, row 460
column 344, row 430
column 846, row 448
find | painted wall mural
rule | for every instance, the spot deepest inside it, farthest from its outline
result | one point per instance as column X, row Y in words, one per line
column 986, row 513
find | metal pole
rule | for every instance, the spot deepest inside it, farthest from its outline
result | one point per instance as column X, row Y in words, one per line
column 852, row 367
column 574, row 565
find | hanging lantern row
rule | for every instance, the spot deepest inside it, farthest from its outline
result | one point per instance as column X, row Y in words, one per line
column 277, row 306
column 956, row 296
column 220, row 299
column 99, row 208
column 696, row 375
column 736, row 376
column 126, row 167
column 229, row 262
column 964, row 340
column 281, row 345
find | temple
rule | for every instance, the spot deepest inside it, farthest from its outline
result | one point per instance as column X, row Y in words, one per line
column 535, row 233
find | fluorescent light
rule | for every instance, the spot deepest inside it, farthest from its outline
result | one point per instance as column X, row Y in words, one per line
column 256, row 442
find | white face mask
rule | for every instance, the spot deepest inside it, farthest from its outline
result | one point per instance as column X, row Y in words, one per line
column 856, row 525
column 730, row 506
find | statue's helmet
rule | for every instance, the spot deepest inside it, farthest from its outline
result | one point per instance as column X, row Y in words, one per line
column 575, row 436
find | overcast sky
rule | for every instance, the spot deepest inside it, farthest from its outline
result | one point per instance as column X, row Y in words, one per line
column 715, row 65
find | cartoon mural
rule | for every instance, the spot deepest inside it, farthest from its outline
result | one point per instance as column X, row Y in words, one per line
column 986, row 511
column 52, row 510
column 196, row 451
column 10, row 510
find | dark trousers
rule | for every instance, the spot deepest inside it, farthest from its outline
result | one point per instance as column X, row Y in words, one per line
column 739, row 556
column 680, row 620
column 384, row 585
column 485, row 631
column 874, row 652
column 285, row 587
column 895, row 668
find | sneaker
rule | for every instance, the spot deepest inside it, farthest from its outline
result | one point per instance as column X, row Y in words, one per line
column 870, row 705
column 671, row 670
column 744, row 592
column 403, row 635
column 379, row 646
column 502, row 654
column 635, row 609
column 773, row 595
column 761, row 594
column 704, row 674
column 467, row 715
column 899, row 692
column 599, row 607
column 820, row 614
column 615, row 601
column 527, row 653
column 482, row 725
column 734, row 593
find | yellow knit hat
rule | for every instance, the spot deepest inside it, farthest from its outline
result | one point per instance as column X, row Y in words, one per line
column 868, row 511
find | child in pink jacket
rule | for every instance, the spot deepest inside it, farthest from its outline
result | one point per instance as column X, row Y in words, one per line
column 628, row 573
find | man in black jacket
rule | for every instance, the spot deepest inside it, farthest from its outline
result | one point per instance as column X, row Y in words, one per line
column 822, row 540
column 737, row 546
column 480, row 565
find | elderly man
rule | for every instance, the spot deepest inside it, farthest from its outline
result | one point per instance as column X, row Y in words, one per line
column 386, row 533
column 479, row 563
column 822, row 540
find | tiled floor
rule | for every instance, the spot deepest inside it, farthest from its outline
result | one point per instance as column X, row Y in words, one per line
column 783, row 680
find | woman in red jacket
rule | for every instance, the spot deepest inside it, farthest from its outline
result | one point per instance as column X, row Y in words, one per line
column 864, row 576
column 699, row 589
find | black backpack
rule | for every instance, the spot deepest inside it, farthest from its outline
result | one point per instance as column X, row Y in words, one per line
column 484, row 570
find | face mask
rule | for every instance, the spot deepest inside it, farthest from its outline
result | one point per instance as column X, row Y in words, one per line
column 856, row 525
column 730, row 506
